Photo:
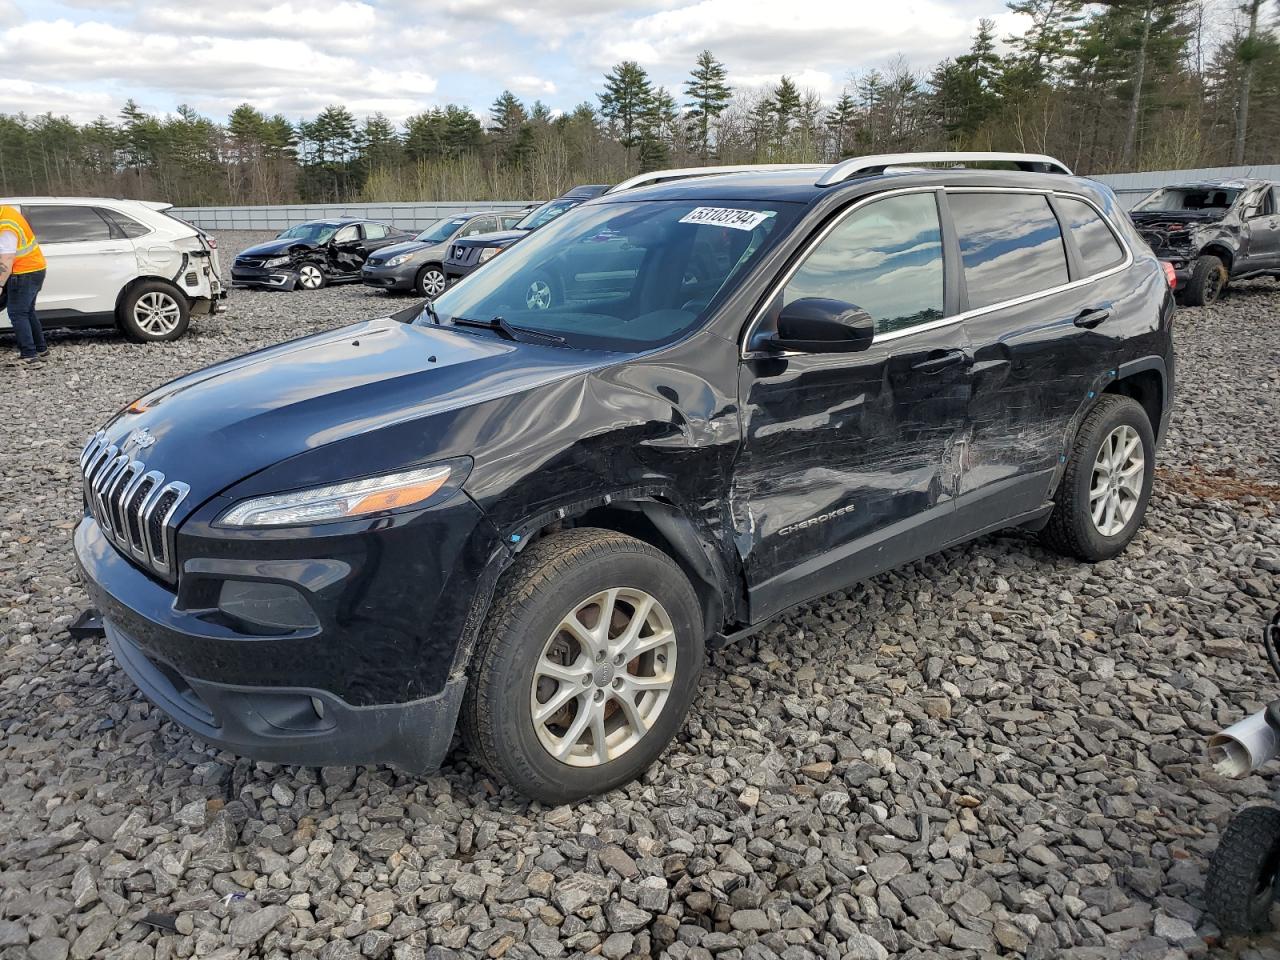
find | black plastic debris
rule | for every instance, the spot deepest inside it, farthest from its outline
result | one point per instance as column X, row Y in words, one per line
column 162, row 921
column 87, row 625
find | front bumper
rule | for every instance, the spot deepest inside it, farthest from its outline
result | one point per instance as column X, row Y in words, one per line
column 372, row 680
column 296, row 725
column 453, row 272
column 390, row 278
column 273, row 279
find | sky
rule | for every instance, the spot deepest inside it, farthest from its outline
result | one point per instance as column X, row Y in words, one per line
column 83, row 58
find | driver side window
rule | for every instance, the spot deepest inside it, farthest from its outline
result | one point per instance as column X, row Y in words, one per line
column 885, row 258
column 347, row 234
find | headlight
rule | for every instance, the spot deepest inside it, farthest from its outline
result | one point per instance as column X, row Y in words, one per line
column 338, row 501
column 488, row 253
column 277, row 262
column 399, row 259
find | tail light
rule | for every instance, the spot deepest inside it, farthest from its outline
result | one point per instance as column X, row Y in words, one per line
column 1169, row 273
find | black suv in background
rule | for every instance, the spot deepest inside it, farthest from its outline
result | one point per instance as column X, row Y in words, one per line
column 759, row 387
column 1213, row 232
column 417, row 265
column 312, row 255
column 466, row 255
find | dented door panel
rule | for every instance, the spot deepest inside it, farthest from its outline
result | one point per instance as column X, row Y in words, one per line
column 849, row 463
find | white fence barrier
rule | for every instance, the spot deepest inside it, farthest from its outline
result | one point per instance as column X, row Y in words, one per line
column 1129, row 187
column 409, row 216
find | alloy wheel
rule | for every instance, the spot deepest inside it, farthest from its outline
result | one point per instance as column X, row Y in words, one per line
column 1116, row 486
column 603, row 677
column 157, row 313
column 310, row 277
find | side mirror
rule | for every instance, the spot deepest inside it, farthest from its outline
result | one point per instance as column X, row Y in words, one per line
column 817, row 325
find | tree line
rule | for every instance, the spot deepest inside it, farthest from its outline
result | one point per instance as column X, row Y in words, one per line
column 1107, row 86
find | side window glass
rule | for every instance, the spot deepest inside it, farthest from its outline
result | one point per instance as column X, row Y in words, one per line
column 510, row 220
column 480, row 225
column 123, row 226
column 1098, row 247
column 885, row 258
column 347, row 234
column 1010, row 244
column 58, row 223
column 375, row 231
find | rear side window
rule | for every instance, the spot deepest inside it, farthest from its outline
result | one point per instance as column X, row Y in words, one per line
column 375, row 231
column 65, row 224
column 885, row 258
column 480, row 225
column 1098, row 247
column 125, row 226
column 1010, row 244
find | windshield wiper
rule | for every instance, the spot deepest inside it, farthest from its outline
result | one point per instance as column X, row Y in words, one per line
column 429, row 309
column 509, row 330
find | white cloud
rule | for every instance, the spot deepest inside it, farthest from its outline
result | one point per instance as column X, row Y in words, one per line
column 402, row 56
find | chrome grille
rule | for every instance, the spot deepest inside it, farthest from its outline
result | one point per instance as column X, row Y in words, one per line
column 132, row 505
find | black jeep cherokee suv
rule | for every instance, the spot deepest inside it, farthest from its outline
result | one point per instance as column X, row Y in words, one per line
column 1213, row 232
column 759, row 388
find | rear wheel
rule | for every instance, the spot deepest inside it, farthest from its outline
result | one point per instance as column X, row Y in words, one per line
column 586, row 665
column 1103, row 494
column 154, row 311
column 1244, row 871
column 311, row 277
column 1207, row 283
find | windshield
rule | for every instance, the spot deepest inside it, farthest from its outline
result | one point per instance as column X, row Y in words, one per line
column 545, row 214
column 310, row 232
column 620, row 276
column 442, row 230
column 1207, row 199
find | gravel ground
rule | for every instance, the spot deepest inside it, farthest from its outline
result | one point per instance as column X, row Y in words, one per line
column 994, row 751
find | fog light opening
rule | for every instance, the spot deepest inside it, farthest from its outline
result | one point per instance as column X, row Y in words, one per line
column 260, row 605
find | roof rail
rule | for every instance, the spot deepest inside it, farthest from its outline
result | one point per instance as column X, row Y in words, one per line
column 856, row 166
column 684, row 173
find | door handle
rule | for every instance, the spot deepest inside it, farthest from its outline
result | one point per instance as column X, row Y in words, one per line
column 936, row 362
column 1091, row 318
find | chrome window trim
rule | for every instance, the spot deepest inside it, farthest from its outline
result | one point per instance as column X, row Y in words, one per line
column 781, row 283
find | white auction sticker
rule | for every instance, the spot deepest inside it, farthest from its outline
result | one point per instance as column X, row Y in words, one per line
column 727, row 217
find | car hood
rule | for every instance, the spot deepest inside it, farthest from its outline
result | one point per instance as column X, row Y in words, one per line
column 276, row 246
column 328, row 398
column 1175, row 216
column 407, row 246
column 495, row 239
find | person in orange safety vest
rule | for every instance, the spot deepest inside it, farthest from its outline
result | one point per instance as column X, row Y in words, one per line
column 22, row 269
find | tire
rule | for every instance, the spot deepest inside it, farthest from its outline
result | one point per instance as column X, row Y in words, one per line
column 553, row 580
column 1072, row 528
column 311, row 276
column 153, row 312
column 1208, row 281
column 430, row 281
column 1244, row 871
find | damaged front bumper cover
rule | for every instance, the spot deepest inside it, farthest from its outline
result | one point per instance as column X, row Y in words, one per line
column 264, row 279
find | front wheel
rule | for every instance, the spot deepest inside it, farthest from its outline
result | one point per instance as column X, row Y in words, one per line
column 154, row 312
column 543, row 293
column 430, row 282
column 586, row 665
column 311, row 277
column 1103, row 493
column 1207, row 283
column 1244, row 871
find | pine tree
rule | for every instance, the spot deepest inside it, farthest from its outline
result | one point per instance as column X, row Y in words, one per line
column 841, row 120
column 785, row 106
column 708, row 95
column 658, row 124
column 626, row 96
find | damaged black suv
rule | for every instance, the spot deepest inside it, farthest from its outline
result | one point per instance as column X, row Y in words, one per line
column 530, row 523
column 1213, row 232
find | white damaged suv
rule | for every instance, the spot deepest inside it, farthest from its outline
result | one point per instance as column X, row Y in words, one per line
column 120, row 263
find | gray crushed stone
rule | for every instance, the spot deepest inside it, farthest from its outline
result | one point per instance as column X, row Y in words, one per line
column 994, row 751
